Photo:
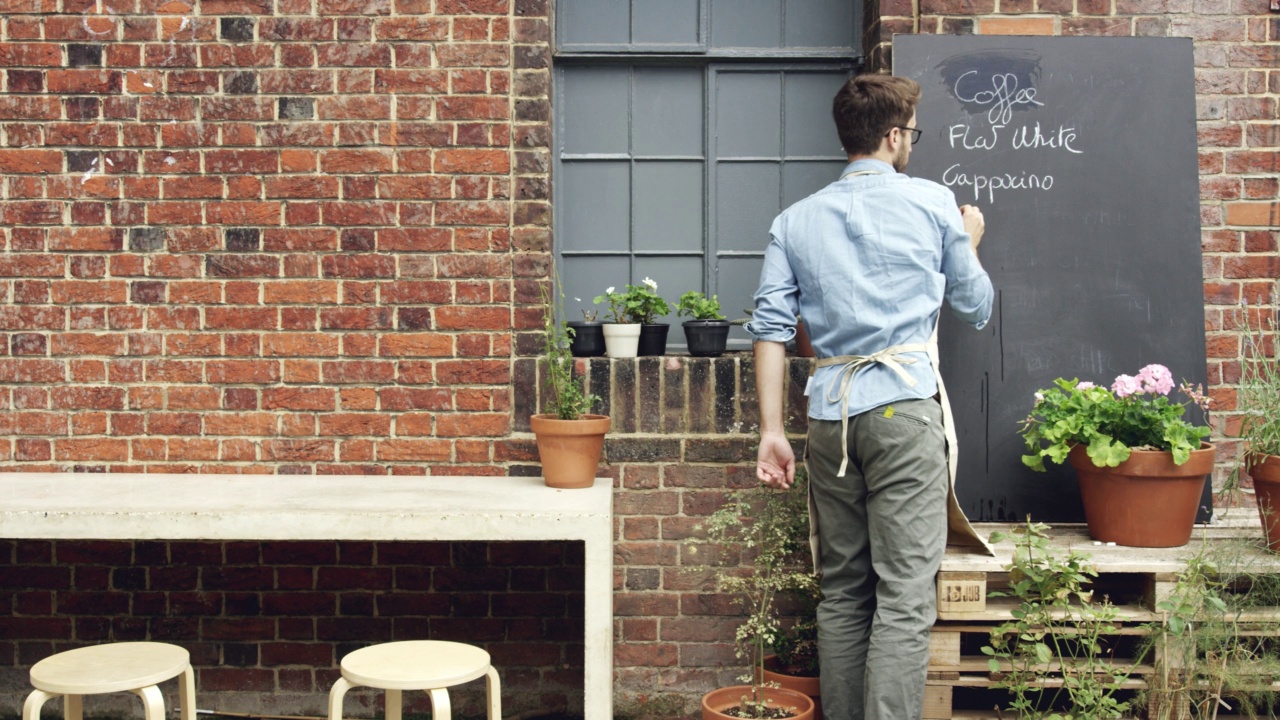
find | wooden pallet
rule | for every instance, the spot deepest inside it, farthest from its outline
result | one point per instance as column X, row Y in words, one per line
column 960, row 683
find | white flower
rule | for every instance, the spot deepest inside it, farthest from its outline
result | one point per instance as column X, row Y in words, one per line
column 608, row 290
column 651, row 282
column 577, row 299
column 1039, row 397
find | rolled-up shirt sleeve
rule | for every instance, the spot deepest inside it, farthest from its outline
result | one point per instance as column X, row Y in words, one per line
column 777, row 297
column 968, row 292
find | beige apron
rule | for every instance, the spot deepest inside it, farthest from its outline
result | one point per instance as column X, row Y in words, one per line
column 960, row 532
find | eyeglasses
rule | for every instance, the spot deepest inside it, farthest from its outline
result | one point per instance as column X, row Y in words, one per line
column 915, row 132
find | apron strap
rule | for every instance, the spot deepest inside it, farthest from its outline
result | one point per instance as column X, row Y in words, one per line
column 892, row 357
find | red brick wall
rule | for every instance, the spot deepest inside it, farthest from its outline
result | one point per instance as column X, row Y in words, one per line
column 246, row 236
column 266, row 623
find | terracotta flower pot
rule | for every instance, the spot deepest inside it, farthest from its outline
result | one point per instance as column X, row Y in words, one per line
column 569, row 449
column 717, row 701
column 1145, row 501
column 1265, row 471
column 811, row 686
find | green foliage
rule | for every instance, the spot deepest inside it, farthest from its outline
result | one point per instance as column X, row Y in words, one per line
column 771, row 529
column 565, row 398
column 1259, row 395
column 1071, row 413
column 638, row 304
column 699, row 306
column 1056, row 630
column 1210, row 647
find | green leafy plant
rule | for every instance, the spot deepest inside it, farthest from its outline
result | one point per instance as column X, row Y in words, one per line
column 637, row 304
column 1215, row 642
column 770, row 529
column 1134, row 413
column 1054, row 647
column 699, row 307
column 1258, row 397
column 565, row 397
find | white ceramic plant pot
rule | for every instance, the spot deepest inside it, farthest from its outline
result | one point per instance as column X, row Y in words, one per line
column 621, row 340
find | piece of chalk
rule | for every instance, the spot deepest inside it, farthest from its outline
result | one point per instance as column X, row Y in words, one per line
column 1111, row 544
column 1097, row 542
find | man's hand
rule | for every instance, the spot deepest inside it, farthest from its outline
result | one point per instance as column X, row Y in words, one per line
column 776, row 462
column 974, row 224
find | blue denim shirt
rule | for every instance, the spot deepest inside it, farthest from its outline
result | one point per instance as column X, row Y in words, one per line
column 867, row 262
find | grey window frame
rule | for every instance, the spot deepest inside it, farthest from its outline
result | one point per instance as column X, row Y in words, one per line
column 714, row 62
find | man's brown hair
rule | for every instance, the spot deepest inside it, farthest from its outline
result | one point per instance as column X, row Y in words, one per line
column 869, row 106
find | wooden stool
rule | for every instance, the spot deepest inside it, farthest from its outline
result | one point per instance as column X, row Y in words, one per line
column 133, row 666
column 429, row 665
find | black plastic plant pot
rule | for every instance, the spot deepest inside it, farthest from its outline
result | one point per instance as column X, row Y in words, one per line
column 653, row 339
column 588, row 339
column 706, row 338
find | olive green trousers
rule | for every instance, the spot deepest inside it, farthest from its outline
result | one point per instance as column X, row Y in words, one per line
column 881, row 530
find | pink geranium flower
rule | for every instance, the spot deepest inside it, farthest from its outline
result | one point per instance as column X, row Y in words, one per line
column 1085, row 385
column 1126, row 385
column 1156, row 379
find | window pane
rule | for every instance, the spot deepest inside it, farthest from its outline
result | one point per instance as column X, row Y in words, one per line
column 810, row 132
column 675, row 276
column 668, row 111
column 668, row 206
column 594, row 115
column 802, row 179
column 746, row 23
column 592, row 22
column 665, row 22
column 596, row 208
column 585, row 277
column 736, row 281
column 748, row 114
column 819, row 24
column 746, row 203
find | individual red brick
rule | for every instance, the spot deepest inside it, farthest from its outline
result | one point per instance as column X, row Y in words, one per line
column 358, row 372
column 355, row 318
column 243, row 371
column 79, row 81
column 428, row 450
column 28, row 344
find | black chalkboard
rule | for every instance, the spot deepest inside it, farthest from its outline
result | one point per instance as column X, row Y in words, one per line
column 1081, row 153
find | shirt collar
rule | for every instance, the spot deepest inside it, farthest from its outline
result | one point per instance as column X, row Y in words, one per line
column 864, row 164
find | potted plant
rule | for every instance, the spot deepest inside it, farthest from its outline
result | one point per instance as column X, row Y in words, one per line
column 587, row 334
column 770, row 528
column 1141, row 466
column 638, row 305
column 707, row 331
column 569, row 439
column 1259, row 400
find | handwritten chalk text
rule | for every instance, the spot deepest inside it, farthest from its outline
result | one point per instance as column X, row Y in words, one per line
column 988, row 184
column 1003, row 95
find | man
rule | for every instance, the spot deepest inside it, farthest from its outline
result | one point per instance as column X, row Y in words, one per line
column 867, row 262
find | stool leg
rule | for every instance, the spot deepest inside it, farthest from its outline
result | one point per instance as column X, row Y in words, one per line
column 493, row 688
column 152, row 702
column 439, row 704
column 394, row 700
column 35, row 701
column 336, row 693
column 73, row 707
column 187, row 693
